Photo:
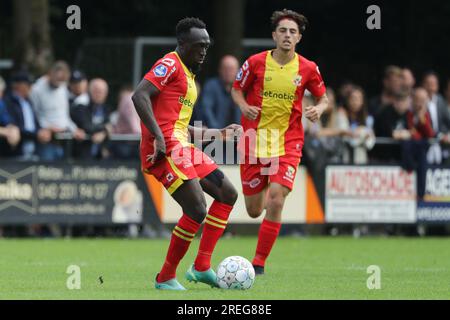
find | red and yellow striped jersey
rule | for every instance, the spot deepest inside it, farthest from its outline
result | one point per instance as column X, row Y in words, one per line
column 279, row 91
column 174, row 104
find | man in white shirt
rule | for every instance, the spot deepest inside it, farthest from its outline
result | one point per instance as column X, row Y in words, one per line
column 50, row 98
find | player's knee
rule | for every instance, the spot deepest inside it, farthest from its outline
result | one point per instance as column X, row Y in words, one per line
column 198, row 213
column 229, row 195
column 255, row 211
column 275, row 200
column 196, row 210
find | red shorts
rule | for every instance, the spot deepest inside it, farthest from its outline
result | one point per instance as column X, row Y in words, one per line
column 257, row 176
column 181, row 165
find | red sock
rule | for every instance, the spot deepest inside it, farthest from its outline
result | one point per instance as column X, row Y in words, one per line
column 268, row 233
column 215, row 224
column 182, row 236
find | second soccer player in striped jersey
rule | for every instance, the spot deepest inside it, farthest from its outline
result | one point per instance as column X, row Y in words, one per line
column 269, row 90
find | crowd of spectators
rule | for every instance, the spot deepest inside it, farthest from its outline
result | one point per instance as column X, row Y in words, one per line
column 38, row 117
column 407, row 123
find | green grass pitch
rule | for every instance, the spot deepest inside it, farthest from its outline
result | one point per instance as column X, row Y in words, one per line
column 299, row 268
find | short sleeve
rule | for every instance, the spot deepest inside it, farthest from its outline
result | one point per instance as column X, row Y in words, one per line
column 315, row 83
column 245, row 76
column 162, row 73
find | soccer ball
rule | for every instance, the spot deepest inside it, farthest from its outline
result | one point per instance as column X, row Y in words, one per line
column 235, row 273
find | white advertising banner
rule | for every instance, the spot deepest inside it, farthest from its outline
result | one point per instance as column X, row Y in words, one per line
column 435, row 206
column 294, row 210
column 371, row 194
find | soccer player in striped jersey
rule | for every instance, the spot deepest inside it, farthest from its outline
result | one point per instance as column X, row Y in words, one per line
column 269, row 90
column 164, row 101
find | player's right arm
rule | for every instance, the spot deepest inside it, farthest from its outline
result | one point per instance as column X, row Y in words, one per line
column 243, row 81
column 143, row 104
column 155, row 81
column 250, row 112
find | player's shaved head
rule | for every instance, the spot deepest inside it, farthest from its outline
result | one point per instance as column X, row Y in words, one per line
column 183, row 29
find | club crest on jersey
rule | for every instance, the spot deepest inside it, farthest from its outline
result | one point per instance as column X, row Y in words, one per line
column 170, row 177
column 290, row 173
column 160, row 71
column 164, row 82
column 254, row 183
column 298, row 80
column 239, row 75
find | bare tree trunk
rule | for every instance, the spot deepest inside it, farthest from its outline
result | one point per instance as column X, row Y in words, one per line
column 40, row 35
column 21, row 32
column 229, row 27
column 32, row 42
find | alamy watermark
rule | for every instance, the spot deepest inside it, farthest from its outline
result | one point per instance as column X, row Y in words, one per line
column 73, row 22
column 73, row 281
column 374, row 20
column 374, row 280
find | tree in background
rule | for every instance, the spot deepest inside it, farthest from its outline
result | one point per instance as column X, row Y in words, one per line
column 31, row 36
column 229, row 21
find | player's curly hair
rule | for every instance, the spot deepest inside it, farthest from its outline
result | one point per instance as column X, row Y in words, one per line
column 298, row 18
column 185, row 25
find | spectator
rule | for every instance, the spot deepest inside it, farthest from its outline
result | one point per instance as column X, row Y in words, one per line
column 360, row 124
column 2, row 88
column 447, row 94
column 446, row 138
column 49, row 96
column 9, row 134
column 415, row 144
column 78, row 89
column 24, row 117
column 392, row 87
column 436, row 105
column 408, row 84
column 128, row 122
column 323, row 143
column 440, row 117
column 94, row 120
column 408, row 80
column 391, row 123
column 419, row 119
column 328, row 125
column 343, row 92
column 216, row 108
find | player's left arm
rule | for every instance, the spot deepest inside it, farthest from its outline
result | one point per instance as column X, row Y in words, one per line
column 230, row 132
column 316, row 86
column 313, row 113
